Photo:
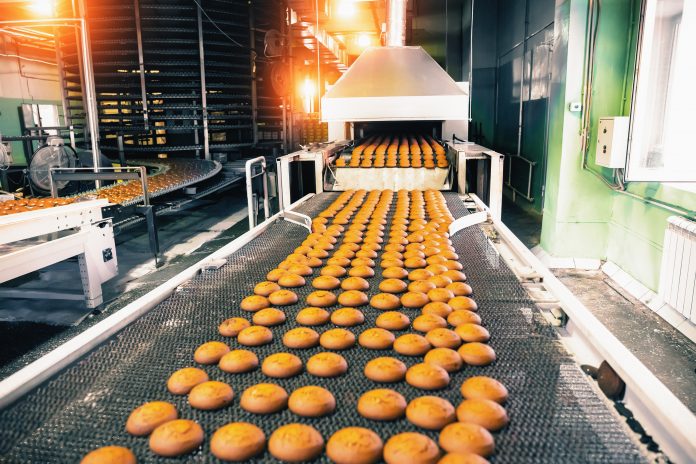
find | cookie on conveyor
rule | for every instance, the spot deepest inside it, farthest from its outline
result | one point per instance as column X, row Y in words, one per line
column 476, row 354
column 393, row 320
column 256, row 335
column 462, row 458
column 446, row 358
column 182, row 381
column 382, row 404
column 427, row 376
column 210, row 352
column 412, row 345
column 237, row 441
column 354, row 445
column 232, row 326
column 385, row 370
column 264, row 398
column 177, row 437
column 295, row 443
column 486, row 413
column 268, row 317
column 376, row 339
column 281, row 365
column 210, row 395
column 147, row 417
column 411, row 448
column 430, row 412
column 239, row 361
column 484, row 388
column 109, row 455
column 327, row 364
column 301, row 338
column 460, row 437
column 312, row 316
column 337, row 339
column 311, row 401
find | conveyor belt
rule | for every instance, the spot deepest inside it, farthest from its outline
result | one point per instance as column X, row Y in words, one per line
column 556, row 415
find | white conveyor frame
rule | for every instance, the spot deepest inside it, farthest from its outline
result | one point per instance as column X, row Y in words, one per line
column 71, row 230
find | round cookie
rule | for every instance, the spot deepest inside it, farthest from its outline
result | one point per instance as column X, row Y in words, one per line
column 237, row 441
column 313, row 316
column 326, row 283
column 421, row 286
column 393, row 320
column 486, row 413
column 239, row 361
column 281, row 365
column 301, row 338
column 333, row 270
column 476, row 354
column 443, row 338
column 428, row 322
column 354, row 445
column 393, row 286
column 295, row 443
column 337, row 339
column 411, row 448
column 347, row 317
column 147, row 417
column 264, row 398
column 268, row 317
column 182, row 381
column 441, row 295
column 210, row 395
column 382, row 404
column 327, row 364
column 110, row 455
column 412, row 345
column 385, row 301
column 210, row 352
column 376, row 339
column 462, row 302
column 290, row 280
column 275, row 274
column 430, row 412
column 463, row 316
column 312, row 401
column 352, row 298
column 446, row 358
column 232, row 326
column 385, row 370
column 414, row 300
column 420, row 274
column 459, row 437
column 427, row 376
column 282, row 298
column 460, row 288
column 484, row 388
column 437, row 308
column 256, row 335
column 355, row 283
column 395, row 273
column 177, row 437
column 462, row 458
column 361, row 271
column 321, row 299
column 470, row 332
column 254, row 303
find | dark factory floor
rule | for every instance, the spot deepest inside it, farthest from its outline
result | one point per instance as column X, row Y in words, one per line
column 668, row 353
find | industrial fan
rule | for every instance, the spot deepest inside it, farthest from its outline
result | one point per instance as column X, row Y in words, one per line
column 53, row 154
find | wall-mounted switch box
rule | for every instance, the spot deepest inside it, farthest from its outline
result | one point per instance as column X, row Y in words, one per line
column 612, row 142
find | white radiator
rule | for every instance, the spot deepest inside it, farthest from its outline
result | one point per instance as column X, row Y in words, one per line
column 678, row 272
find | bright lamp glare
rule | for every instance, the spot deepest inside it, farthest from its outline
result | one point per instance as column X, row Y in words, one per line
column 41, row 7
column 346, row 9
column 363, row 40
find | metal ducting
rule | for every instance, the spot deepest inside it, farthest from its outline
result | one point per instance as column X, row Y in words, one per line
column 396, row 23
column 393, row 84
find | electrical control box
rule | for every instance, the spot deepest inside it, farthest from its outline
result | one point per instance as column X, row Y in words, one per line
column 612, row 142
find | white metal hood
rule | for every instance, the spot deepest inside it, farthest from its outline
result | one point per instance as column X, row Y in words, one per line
column 395, row 83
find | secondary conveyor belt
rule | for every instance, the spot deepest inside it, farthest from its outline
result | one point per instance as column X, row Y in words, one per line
column 555, row 414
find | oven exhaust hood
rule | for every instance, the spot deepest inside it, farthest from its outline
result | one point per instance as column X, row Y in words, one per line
column 395, row 84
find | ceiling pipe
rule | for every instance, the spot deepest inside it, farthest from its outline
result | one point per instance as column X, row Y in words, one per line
column 396, row 23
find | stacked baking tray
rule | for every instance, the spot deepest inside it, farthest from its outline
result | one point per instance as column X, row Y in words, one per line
column 556, row 414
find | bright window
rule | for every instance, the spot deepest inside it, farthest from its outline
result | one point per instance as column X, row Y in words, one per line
column 662, row 146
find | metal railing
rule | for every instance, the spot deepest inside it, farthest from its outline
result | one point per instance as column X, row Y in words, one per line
column 89, row 174
column 252, row 171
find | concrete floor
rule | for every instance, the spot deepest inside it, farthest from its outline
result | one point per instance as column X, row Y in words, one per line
column 663, row 349
column 31, row 328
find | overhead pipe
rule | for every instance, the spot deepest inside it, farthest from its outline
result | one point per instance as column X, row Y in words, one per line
column 396, row 23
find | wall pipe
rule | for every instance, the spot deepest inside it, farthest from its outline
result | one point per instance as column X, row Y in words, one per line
column 396, row 23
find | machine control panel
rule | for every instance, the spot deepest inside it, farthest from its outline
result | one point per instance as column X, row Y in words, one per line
column 612, row 142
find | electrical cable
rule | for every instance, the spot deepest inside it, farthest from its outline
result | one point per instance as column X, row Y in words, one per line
column 216, row 26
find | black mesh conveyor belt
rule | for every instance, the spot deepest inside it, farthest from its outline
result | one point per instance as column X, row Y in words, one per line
column 556, row 415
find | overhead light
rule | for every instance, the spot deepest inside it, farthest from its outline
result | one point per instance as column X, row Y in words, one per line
column 345, row 9
column 364, row 40
column 41, row 7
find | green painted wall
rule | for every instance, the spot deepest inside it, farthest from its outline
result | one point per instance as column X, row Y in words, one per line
column 583, row 216
column 10, row 123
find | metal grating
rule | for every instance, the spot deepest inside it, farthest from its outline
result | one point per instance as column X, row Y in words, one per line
column 556, row 415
